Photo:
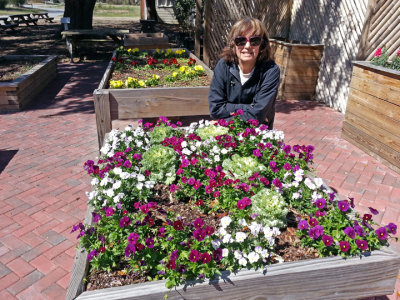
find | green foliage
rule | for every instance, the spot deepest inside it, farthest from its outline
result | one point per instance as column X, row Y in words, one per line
column 3, row 4
column 159, row 133
column 18, row 2
column 161, row 161
column 183, row 10
column 381, row 58
column 270, row 207
column 242, row 167
column 211, row 131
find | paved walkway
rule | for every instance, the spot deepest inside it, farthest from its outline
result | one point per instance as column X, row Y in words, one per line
column 42, row 183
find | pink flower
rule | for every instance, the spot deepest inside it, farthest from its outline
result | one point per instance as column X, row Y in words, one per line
column 378, row 52
column 398, row 52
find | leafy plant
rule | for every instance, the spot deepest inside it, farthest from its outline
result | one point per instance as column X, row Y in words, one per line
column 381, row 58
column 183, row 11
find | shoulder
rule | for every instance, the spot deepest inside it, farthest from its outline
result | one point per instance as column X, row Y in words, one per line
column 269, row 69
column 222, row 64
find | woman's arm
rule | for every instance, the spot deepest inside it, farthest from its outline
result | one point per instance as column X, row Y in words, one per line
column 217, row 97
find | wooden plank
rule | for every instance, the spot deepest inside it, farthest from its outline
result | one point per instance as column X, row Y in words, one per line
column 107, row 74
column 309, row 279
column 371, row 146
column 103, row 115
column 390, row 110
column 154, row 102
column 368, row 122
column 76, row 284
column 378, row 90
column 375, row 74
column 297, row 79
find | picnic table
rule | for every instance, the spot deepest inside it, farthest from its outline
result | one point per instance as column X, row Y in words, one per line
column 44, row 16
column 80, row 37
column 24, row 18
column 6, row 23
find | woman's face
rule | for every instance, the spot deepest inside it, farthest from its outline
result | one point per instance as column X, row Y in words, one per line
column 247, row 54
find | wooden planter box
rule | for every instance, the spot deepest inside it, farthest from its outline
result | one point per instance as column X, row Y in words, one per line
column 115, row 105
column 146, row 40
column 372, row 119
column 299, row 64
column 322, row 278
column 16, row 94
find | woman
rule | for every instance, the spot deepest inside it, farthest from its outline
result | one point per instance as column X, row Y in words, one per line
column 245, row 77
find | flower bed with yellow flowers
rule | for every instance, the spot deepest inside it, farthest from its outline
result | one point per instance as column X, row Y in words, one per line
column 160, row 68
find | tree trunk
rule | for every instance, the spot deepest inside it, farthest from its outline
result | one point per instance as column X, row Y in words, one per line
column 151, row 10
column 80, row 13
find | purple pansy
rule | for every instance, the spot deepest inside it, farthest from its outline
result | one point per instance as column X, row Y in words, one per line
column 92, row 254
column 95, row 217
column 316, row 232
column 373, row 211
column 344, row 246
column 320, row 203
column 194, row 255
column 327, row 239
column 199, row 234
column 303, row 224
column 198, row 223
column 133, row 238
column 392, row 228
column 343, row 205
column 363, row 245
column 150, row 242
column 349, row 231
column 381, row 233
column 130, row 249
column 124, row 222
column 109, row 211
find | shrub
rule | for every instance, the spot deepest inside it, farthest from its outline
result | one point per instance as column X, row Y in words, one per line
column 381, row 58
column 3, row 4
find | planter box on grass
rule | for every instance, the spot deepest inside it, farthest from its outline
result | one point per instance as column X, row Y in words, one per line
column 372, row 118
column 16, row 94
column 132, row 104
column 299, row 64
column 142, row 41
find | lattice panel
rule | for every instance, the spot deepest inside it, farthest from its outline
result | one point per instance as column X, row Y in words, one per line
column 220, row 15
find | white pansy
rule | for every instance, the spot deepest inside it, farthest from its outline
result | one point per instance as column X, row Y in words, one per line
column 253, row 257
column 217, row 158
column 193, row 148
column 296, row 195
column 125, row 175
column 117, row 185
column 242, row 222
column 141, row 177
column 216, row 244
column 255, row 228
column 109, row 192
column 268, row 233
column 309, row 183
column 264, row 253
column 225, row 252
column 117, row 171
column 315, row 196
column 295, row 183
column 104, row 150
column 240, row 237
column 118, row 197
column 139, row 186
column 222, row 231
column 275, row 231
column 139, row 143
column 184, row 144
column 258, row 249
column 186, row 151
column 243, row 261
column 149, row 184
column 224, row 151
column 95, row 181
column 318, row 182
column 198, row 144
column 91, row 195
column 237, row 254
column 227, row 238
column 225, row 221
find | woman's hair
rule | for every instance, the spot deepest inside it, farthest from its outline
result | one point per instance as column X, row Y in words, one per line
column 238, row 29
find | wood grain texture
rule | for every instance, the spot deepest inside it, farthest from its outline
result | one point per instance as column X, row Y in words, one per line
column 103, row 116
column 325, row 278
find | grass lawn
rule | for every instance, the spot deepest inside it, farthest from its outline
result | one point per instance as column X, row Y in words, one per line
column 17, row 10
column 120, row 11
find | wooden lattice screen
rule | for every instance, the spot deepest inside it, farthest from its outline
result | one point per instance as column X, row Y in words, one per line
column 220, row 15
column 382, row 28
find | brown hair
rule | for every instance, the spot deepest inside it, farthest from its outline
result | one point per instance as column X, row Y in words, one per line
column 238, row 29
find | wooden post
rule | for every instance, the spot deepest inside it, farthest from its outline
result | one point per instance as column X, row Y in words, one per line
column 207, row 32
column 103, row 114
column 198, row 30
column 143, row 10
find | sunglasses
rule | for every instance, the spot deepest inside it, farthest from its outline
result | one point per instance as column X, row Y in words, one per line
column 240, row 41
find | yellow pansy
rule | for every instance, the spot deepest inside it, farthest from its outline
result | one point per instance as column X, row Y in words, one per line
column 182, row 69
column 174, row 74
column 141, row 83
column 198, row 68
column 156, row 76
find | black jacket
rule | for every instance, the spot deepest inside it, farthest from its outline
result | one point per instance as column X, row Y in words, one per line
column 256, row 97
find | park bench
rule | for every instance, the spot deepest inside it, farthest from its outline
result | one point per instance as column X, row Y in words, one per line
column 44, row 16
column 6, row 23
column 25, row 19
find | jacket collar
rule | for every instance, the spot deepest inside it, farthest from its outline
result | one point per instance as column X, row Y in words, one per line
column 234, row 70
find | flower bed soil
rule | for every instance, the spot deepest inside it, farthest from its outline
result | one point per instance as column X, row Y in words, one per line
column 11, row 70
column 143, row 74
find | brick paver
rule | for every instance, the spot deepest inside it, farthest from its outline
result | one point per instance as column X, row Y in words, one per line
column 42, row 185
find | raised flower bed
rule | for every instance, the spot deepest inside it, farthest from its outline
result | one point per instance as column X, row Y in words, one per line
column 372, row 116
column 203, row 202
column 130, row 99
column 16, row 94
column 299, row 64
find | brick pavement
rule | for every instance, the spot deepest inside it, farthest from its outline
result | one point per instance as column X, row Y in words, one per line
column 42, row 185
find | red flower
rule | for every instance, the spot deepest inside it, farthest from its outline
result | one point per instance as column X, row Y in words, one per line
column 178, row 225
column 165, row 61
column 171, row 265
column 114, row 58
column 199, row 203
column 102, row 249
column 378, row 52
column 205, row 258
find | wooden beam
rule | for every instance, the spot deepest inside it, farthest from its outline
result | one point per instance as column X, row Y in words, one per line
column 362, row 50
